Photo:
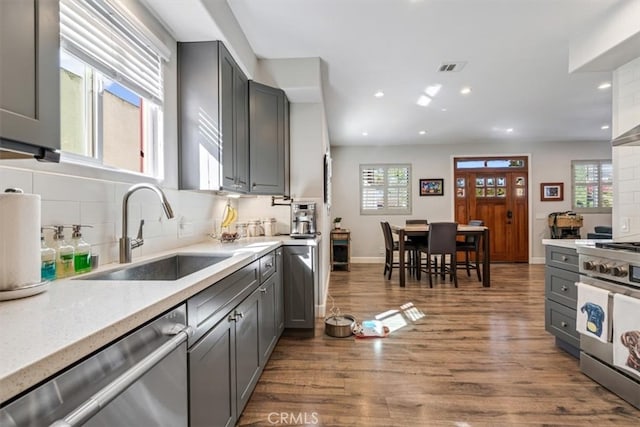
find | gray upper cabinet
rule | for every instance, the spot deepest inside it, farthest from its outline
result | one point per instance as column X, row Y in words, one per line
column 30, row 77
column 213, row 119
column 234, row 127
column 268, row 140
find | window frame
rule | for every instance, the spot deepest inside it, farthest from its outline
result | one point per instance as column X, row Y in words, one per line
column 594, row 209
column 152, row 118
column 385, row 187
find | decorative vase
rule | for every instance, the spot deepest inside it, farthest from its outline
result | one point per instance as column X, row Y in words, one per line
column 336, row 225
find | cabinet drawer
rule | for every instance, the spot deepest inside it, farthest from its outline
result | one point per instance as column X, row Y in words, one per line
column 560, row 286
column 561, row 322
column 564, row 258
column 340, row 236
column 210, row 306
column 267, row 266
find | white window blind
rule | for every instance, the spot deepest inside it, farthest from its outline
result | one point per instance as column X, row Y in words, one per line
column 101, row 35
column 592, row 185
column 385, row 189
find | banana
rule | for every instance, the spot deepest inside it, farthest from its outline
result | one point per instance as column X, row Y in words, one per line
column 229, row 215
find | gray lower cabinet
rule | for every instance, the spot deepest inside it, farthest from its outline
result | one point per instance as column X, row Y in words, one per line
column 268, row 140
column 30, row 77
column 300, row 277
column 213, row 119
column 226, row 361
column 561, row 274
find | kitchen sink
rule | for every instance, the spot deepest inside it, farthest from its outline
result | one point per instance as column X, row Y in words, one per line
column 173, row 267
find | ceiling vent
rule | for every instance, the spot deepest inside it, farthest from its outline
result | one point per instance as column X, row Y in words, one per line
column 449, row 67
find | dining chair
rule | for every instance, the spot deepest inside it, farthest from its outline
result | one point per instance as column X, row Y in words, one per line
column 391, row 247
column 441, row 243
column 469, row 245
column 416, row 241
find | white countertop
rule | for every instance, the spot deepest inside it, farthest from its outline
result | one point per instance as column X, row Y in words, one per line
column 45, row 333
column 572, row 243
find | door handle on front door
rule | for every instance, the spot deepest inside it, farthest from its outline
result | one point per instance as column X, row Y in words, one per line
column 509, row 214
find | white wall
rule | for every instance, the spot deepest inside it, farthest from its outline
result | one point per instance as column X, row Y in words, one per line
column 626, row 160
column 549, row 162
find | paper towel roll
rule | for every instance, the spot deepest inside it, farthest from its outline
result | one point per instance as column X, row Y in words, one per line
column 19, row 240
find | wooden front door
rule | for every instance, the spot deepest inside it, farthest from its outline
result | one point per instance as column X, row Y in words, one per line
column 495, row 190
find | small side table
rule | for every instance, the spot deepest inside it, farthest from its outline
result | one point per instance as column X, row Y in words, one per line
column 340, row 249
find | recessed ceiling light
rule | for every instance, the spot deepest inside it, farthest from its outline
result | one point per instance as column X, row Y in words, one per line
column 379, row 94
column 604, row 127
column 604, row 85
column 422, row 132
column 365, row 133
column 443, row 109
column 423, row 100
column 433, row 90
column 508, row 130
column 465, row 90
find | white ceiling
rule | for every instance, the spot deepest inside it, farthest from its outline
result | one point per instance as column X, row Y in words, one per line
column 516, row 53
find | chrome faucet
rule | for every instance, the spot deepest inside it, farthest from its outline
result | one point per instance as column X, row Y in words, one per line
column 126, row 243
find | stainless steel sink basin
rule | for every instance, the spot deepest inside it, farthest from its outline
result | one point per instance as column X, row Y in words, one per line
column 173, row 267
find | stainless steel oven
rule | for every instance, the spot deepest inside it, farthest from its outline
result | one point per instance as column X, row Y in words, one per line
column 613, row 267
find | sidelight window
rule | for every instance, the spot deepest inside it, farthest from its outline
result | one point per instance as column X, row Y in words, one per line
column 592, row 185
column 111, row 88
column 385, row 189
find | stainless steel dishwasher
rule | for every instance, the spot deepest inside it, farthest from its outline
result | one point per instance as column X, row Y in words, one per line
column 140, row 380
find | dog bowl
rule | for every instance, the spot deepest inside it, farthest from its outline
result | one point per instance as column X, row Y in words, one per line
column 339, row 326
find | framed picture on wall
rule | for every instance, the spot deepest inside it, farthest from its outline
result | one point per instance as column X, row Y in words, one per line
column 552, row 191
column 432, row 187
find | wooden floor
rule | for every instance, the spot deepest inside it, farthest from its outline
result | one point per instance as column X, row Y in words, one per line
column 462, row 357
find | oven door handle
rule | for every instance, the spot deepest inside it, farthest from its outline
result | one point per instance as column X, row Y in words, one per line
column 102, row 398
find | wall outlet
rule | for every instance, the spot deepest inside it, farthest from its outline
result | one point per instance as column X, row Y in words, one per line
column 625, row 224
column 186, row 229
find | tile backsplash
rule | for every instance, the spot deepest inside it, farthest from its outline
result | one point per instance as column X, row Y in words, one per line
column 67, row 200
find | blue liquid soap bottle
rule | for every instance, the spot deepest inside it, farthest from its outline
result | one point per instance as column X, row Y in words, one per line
column 81, row 251
column 47, row 260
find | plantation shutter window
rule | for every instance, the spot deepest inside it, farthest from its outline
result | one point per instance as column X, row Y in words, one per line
column 385, row 189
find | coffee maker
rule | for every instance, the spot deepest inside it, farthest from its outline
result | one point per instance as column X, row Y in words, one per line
column 303, row 220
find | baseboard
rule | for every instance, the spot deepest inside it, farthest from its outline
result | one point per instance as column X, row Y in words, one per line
column 367, row 260
column 537, row 260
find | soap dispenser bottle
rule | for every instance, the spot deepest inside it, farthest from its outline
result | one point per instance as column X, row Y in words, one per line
column 64, row 254
column 81, row 251
column 47, row 260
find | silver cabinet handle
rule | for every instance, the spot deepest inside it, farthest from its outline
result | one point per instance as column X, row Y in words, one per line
column 95, row 403
column 268, row 265
column 263, row 290
column 564, row 288
column 564, row 324
column 564, row 258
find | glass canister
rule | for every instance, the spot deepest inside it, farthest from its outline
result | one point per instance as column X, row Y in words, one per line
column 241, row 229
column 269, row 226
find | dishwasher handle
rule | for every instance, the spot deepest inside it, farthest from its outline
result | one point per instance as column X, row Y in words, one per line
column 95, row 403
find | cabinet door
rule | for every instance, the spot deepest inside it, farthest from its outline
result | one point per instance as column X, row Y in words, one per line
column 268, row 323
column 299, row 272
column 241, row 128
column 212, row 378
column 198, row 118
column 29, row 73
column 279, row 294
column 233, row 123
column 269, row 165
column 247, row 348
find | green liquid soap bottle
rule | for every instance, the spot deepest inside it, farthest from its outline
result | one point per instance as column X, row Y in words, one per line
column 81, row 251
column 64, row 254
column 47, row 260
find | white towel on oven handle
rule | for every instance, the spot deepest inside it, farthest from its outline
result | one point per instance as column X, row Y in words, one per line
column 593, row 314
column 626, row 333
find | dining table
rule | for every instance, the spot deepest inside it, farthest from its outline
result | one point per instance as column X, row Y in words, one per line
column 416, row 230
